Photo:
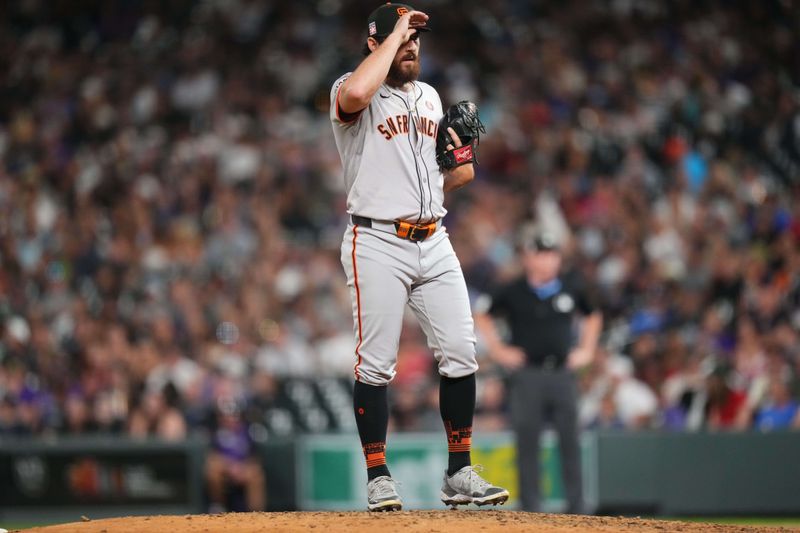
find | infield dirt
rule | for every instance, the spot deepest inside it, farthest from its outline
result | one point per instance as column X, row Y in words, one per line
column 406, row 521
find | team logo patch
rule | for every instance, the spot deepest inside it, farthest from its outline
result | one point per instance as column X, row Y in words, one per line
column 429, row 105
column 373, row 28
column 402, row 11
column 564, row 303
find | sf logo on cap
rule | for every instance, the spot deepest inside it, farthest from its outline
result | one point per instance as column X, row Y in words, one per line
column 402, row 11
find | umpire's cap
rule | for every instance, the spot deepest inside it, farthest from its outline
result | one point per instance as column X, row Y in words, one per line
column 380, row 22
column 542, row 241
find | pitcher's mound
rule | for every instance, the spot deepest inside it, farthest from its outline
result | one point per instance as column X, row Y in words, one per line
column 406, row 521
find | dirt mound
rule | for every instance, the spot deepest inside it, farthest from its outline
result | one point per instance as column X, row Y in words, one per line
column 406, row 521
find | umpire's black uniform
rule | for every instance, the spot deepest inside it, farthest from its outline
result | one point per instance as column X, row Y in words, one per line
column 544, row 389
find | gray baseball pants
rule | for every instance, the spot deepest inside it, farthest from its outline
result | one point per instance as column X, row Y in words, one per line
column 536, row 395
column 384, row 273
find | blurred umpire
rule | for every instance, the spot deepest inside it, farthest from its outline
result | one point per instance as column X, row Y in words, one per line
column 540, row 309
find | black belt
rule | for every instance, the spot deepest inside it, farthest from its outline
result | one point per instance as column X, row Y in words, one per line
column 404, row 230
column 361, row 221
column 548, row 362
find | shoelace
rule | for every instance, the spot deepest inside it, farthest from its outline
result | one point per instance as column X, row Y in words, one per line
column 475, row 477
column 385, row 487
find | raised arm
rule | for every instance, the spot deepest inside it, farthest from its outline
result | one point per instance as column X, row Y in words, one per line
column 357, row 91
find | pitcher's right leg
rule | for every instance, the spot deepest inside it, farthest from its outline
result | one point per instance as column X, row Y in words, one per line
column 379, row 287
column 378, row 270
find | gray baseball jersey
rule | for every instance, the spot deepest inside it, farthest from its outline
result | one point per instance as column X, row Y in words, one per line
column 389, row 154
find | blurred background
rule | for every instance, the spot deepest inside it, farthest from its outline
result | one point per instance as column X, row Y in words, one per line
column 172, row 206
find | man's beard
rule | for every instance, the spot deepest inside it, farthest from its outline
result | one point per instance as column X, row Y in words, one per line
column 402, row 72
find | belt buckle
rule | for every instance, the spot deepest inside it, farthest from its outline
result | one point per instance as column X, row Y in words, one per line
column 414, row 232
column 418, row 233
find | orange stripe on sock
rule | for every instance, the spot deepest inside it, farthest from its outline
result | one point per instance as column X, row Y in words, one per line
column 458, row 440
column 377, row 461
column 375, row 454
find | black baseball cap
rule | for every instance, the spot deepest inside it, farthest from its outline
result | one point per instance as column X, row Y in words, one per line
column 380, row 22
column 543, row 241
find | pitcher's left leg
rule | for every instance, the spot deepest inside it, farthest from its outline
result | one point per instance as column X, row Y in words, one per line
column 441, row 304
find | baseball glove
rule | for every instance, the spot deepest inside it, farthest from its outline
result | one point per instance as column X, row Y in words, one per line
column 463, row 118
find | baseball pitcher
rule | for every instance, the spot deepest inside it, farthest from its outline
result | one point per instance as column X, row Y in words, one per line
column 400, row 154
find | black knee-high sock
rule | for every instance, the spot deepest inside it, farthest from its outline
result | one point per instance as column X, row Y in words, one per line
column 457, row 405
column 372, row 418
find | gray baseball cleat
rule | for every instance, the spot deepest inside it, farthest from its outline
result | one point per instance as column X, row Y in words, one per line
column 382, row 495
column 466, row 486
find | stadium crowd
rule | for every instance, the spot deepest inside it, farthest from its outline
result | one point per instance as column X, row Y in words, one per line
column 171, row 206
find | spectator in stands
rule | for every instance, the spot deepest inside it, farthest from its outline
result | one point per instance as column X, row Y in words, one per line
column 30, row 412
column 233, row 463
column 780, row 411
column 262, row 398
column 726, row 408
column 169, row 204
column 109, row 416
column 612, row 396
column 607, row 417
column 8, row 417
column 635, row 403
column 157, row 416
column 77, row 414
column 683, row 395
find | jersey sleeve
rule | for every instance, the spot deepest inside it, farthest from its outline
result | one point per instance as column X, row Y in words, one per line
column 336, row 114
column 585, row 298
column 439, row 109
